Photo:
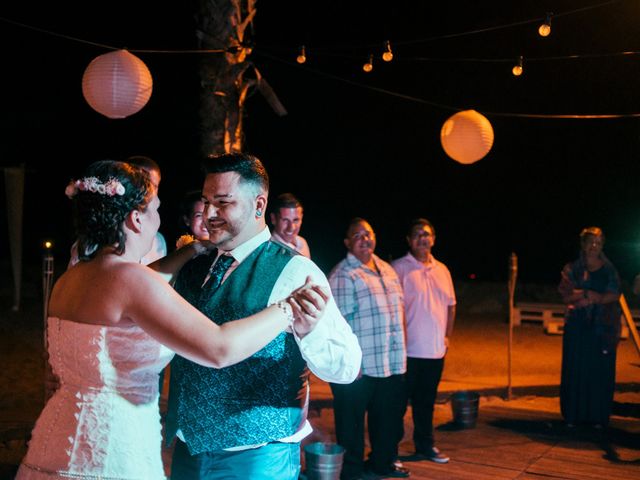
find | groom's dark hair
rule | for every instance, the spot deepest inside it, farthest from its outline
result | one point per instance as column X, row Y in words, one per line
column 248, row 166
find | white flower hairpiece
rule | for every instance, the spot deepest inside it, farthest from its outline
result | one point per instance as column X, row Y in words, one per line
column 92, row 184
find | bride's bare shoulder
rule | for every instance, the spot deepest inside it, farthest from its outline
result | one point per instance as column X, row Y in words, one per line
column 136, row 277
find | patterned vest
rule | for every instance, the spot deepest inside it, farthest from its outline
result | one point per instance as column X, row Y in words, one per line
column 258, row 400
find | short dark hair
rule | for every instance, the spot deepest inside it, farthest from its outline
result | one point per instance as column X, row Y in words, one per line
column 249, row 167
column 353, row 222
column 420, row 222
column 186, row 204
column 144, row 162
column 591, row 232
column 285, row 200
column 98, row 217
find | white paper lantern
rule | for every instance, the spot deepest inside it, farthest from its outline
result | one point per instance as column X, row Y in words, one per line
column 467, row 136
column 117, row 84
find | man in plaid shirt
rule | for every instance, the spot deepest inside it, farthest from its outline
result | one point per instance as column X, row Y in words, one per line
column 369, row 296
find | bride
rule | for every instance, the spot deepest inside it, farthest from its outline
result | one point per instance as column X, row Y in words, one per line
column 111, row 320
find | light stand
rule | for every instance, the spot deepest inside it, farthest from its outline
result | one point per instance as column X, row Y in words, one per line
column 47, row 282
column 513, row 274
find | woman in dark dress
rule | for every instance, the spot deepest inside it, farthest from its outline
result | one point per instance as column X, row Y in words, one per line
column 590, row 287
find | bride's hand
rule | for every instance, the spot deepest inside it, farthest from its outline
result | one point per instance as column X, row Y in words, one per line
column 309, row 303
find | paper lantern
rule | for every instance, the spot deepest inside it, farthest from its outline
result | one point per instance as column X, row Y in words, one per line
column 467, row 136
column 117, row 84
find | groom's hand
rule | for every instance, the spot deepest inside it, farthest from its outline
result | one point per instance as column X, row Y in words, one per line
column 308, row 303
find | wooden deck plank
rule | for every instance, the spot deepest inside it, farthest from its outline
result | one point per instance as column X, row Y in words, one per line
column 565, row 468
column 515, row 456
column 534, row 476
column 457, row 470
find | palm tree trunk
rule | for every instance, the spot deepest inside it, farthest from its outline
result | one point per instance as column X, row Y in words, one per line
column 222, row 25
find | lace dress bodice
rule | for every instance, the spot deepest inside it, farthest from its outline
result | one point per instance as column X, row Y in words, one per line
column 104, row 421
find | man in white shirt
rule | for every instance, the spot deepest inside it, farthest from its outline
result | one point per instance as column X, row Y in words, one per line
column 246, row 421
column 430, row 309
column 286, row 218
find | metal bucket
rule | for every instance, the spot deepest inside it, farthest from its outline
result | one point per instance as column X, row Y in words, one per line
column 464, row 405
column 323, row 461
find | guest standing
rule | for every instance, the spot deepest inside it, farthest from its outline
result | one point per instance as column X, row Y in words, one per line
column 192, row 215
column 430, row 309
column 287, row 220
column 369, row 296
column 590, row 287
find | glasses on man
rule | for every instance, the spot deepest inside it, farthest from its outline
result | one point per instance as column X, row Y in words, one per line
column 420, row 234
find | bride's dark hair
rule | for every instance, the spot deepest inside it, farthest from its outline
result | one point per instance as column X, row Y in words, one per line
column 99, row 216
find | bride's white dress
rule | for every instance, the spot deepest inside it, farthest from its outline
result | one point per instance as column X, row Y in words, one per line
column 104, row 421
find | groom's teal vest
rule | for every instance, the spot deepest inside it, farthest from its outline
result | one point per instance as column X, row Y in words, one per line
column 255, row 401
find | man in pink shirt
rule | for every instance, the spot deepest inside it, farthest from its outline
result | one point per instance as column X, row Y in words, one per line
column 430, row 309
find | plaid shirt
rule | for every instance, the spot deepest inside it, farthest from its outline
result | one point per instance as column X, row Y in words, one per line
column 372, row 303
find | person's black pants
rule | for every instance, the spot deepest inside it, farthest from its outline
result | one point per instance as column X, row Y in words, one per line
column 423, row 377
column 382, row 400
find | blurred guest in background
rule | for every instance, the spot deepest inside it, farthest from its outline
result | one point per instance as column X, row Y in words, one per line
column 286, row 218
column 159, row 247
column 191, row 215
column 590, row 287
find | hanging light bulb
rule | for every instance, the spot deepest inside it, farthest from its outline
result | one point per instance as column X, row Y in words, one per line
column 517, row 68
column 387, row 55
column 367, row 67
column 545, row 29
column 302, row 56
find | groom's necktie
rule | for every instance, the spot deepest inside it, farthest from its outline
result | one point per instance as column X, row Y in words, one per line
column 216, row 274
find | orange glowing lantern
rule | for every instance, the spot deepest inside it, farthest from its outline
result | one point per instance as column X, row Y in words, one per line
column 117, row 84
column 467, row 136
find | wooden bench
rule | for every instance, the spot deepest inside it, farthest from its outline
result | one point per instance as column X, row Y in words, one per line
column 552, row 317
column 538, row 312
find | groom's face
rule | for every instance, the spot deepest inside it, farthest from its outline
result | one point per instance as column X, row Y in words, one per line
column 230, row 209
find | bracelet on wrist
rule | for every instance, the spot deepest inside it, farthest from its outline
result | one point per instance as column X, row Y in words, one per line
column 284, row 306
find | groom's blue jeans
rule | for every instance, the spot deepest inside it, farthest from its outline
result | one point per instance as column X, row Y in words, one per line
column 275, row 460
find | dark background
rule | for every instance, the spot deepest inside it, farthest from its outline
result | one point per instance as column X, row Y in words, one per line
column 348, row 150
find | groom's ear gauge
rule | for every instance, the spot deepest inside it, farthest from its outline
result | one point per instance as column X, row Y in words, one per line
column 261, row 204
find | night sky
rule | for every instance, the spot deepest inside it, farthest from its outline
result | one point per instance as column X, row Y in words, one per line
column 346, row 148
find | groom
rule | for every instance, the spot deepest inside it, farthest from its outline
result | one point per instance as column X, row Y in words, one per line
column 246, row 421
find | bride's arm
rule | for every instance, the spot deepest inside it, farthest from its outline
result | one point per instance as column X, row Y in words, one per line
column 166, row 316
column 169, row 265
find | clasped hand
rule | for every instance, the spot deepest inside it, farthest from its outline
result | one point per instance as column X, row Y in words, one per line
column 308, row 303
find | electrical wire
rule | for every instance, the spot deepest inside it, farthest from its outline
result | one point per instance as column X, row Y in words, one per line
column 444, row 106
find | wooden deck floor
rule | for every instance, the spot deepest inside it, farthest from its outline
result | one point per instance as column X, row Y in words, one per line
column 523, row 439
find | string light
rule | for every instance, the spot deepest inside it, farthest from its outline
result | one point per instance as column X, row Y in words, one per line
column 302, row 56
column 545, row 29
column 367, row 67
column 387, row 55
column 517, row 68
